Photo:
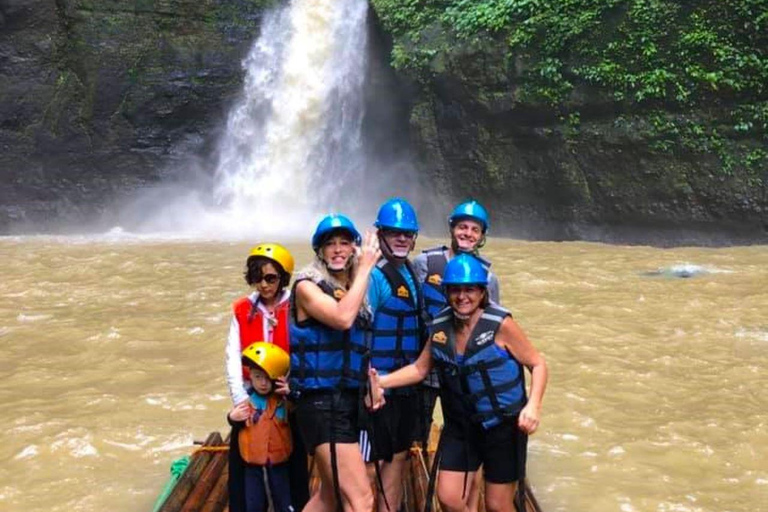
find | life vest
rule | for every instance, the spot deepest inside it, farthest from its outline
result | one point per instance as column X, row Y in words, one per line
column 251, row 323
column 434, row 296
column 488, row 383
column 323, row 358
column 268, row 441
column 397, row 323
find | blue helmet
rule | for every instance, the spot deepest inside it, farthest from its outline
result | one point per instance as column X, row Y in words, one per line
column 397, row 213
column 333, row 222
column 465, row 269
column 470, row 210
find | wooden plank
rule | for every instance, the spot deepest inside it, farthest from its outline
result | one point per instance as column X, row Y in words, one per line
column 188, row 480
column 206, row 480
column 218, row 498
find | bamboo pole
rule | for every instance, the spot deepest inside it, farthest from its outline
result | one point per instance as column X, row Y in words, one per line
column 188, row 480
column 205, row 482
column 219, row 496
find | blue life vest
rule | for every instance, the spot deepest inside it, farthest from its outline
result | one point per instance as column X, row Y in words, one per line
column 397, row 324
column 323, row 358
column 489, row 383
column 434, row 298
column 434, row 295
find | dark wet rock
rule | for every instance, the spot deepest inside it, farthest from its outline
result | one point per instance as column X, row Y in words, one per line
column 95, row 96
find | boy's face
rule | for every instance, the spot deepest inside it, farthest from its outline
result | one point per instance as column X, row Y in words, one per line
column 260, row 381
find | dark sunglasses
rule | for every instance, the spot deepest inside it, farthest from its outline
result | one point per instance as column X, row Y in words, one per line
column 269, row 278
column 410, row 235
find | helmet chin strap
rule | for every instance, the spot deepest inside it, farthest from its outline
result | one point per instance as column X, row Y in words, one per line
column 332, row 270
column 387, row 252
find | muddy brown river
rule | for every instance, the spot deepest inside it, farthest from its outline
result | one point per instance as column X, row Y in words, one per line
column 111, row 364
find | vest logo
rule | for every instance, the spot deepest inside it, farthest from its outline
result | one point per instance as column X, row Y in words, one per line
column 440, row 337
column 338, row 293
column 435, row 279
column 403, row 292
column 484, row 338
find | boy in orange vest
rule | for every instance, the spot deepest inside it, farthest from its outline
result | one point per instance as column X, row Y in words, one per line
column 261, row 424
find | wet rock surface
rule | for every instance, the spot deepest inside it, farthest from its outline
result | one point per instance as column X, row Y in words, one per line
column 101, row 97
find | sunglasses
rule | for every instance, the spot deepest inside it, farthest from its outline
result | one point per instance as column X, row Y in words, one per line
column 410, row 235
column 269, row 278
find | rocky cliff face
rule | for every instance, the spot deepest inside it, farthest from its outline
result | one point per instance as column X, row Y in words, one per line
column 589, row 165
column 101, row 96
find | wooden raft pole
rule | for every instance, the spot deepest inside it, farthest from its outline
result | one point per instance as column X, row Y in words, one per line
column 218, row 497
column 190, row 477
column 203, row 486
column 207, row 479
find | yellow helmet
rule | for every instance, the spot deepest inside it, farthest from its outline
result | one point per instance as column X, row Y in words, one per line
column 269, row 357
column 276, row 253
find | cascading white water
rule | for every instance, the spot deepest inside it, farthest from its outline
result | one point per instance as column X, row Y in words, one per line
column 293, row 147
column 297, row 127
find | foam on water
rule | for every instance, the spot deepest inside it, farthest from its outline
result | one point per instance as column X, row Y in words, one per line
column 685, row 270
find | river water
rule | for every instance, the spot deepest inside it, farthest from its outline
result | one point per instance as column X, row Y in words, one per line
column 111, row 364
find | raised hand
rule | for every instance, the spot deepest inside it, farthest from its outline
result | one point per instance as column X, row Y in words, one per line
column 281, row 386
column 369, row 252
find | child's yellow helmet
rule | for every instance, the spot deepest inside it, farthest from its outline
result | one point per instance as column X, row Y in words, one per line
column 276, row 253
column 269, row 357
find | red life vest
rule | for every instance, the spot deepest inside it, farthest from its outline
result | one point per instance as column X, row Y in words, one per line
column 251, row 323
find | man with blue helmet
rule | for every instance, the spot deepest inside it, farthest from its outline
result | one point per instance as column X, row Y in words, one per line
column 329, row 331
column 469, row 224
column 480, row 354
column 395, row 299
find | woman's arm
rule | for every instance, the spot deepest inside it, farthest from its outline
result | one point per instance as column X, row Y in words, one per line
column 512, row 338
column 411, row 374
column 340, row 314
column 234, row 364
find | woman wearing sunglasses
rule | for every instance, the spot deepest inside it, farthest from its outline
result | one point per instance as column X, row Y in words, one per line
column 262, row 316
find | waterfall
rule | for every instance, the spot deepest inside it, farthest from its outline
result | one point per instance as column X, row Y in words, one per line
column 295, row 135
column 293, row 138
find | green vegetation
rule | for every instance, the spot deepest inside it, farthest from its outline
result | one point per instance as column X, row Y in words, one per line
column 663, row 57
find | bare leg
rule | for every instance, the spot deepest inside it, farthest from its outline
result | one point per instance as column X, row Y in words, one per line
column 323, row 500
column 392, row 480
column 473, row 503
column 451, row 493
column 354, row 486
column 498, row 497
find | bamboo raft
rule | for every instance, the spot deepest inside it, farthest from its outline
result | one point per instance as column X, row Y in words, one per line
column 203, row 485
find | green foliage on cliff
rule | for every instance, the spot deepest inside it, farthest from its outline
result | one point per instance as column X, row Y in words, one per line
column 642, row 50
column 670, row 55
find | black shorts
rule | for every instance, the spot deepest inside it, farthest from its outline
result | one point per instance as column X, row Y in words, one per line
column 320, row 418
column 393, row 428
column 501, row 450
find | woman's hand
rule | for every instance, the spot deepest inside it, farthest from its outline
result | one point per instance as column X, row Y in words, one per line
column 374, row 399
column 369, row 252
column 281, row 386
column 241, row 411
column 528, row 421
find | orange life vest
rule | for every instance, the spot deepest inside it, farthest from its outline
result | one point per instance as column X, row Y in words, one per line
column 268, row 441
column 251, row 323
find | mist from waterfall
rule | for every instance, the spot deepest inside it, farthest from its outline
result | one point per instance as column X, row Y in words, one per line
column 294, row 135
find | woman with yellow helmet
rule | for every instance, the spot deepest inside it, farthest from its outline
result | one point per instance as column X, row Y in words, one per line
column 261, row 316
